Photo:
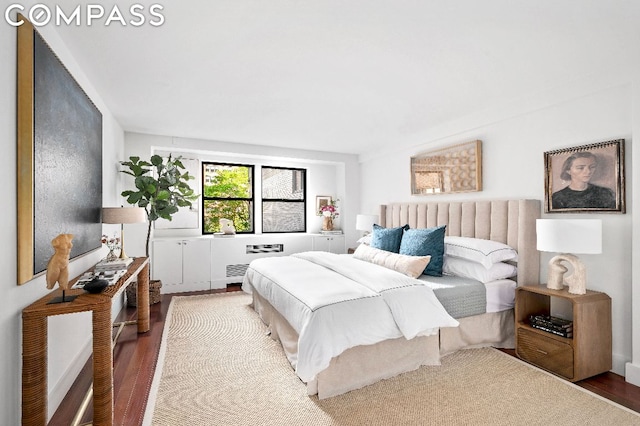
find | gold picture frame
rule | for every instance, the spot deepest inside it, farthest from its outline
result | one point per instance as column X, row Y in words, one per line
column 456, row 168
column 321, row 201
column 585, row 179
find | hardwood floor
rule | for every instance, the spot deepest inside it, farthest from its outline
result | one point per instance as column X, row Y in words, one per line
column 135, row 358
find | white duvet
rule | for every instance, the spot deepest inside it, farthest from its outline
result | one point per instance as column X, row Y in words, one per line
column 336, row 302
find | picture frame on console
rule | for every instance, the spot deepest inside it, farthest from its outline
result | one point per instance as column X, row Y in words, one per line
column 585, row 179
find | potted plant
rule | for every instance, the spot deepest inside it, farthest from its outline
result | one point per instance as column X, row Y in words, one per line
column 162, row 187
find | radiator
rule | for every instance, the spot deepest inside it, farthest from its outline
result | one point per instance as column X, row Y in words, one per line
column 236, row 270
column 231, row 256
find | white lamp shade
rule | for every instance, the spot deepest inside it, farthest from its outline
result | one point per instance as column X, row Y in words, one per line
column 582, row 236
column 364, row 222
column 123, row 215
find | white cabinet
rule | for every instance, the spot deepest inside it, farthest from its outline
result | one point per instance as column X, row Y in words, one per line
column 330, row 243
column 182, row 264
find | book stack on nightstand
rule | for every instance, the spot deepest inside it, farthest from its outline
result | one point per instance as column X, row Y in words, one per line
column 553, row 325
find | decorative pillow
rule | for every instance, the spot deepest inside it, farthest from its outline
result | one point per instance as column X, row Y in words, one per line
column 387, row 238
column 411, row 266
column 485, row 252
column 468, row 269
column 425, row 242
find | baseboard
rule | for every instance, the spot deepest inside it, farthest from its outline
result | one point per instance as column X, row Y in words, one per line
column 632, row 373
column 618, row 364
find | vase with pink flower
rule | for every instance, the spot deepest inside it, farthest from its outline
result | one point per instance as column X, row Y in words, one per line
column 329, row 212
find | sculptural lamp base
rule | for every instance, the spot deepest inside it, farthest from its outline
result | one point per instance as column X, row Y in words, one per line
column 577, row 280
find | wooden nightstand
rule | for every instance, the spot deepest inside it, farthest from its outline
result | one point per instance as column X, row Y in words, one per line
column 586, row 354
column 351, row 250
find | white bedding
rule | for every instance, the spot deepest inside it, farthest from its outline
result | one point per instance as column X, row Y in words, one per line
column 361, row 305
column 501, row 295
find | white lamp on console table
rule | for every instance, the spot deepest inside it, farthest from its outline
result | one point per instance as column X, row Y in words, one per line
column 122, row 215
column 566, row 236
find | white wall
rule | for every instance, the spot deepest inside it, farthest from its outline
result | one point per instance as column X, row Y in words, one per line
column 69, row 335
column 327, row 174
column 513, row 167
column 633, row 367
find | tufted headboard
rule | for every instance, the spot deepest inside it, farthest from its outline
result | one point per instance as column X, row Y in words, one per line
column 512, row 222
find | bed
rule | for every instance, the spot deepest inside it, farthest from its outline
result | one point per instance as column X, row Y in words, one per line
column 399, row 344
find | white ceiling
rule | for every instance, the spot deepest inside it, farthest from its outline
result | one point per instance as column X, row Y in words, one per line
column 348, row 76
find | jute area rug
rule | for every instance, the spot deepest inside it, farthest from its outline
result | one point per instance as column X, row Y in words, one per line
column 218, row 366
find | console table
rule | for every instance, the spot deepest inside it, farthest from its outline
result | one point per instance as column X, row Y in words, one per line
column 34, row 342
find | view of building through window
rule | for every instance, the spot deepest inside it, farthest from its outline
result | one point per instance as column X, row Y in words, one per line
column 283, row 200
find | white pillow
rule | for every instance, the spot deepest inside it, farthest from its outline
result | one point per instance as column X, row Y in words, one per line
column 484, row 252
column 467, row 269
column 412, row 266
column 365, row 240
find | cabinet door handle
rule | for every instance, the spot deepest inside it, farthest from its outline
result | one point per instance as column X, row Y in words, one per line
column 542, row 352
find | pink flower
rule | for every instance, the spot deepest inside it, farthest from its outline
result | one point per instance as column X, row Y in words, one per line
column 329, row 210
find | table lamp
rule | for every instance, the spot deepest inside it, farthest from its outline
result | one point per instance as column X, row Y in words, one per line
column 567, row 236
column 364, row 222
column 123, row 215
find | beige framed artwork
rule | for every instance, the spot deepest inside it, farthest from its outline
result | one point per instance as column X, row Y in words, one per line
column 456, row 168
column 584, row 179
column 321, row 201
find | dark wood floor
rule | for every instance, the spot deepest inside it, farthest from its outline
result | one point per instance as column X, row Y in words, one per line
column 135, row 359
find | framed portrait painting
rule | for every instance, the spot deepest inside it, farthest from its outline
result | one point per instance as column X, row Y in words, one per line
column 585, row 179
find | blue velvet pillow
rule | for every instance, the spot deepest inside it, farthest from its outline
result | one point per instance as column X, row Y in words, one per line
column 425, row 242
column 387, row 238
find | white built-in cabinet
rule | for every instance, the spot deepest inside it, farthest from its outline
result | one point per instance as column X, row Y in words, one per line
column 204, row 263
column 182, row 264
column 330, row 243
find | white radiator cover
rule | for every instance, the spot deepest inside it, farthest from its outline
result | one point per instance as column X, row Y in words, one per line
column 231, row 255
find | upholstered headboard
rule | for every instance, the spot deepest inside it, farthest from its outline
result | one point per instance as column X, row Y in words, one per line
column 512, row 222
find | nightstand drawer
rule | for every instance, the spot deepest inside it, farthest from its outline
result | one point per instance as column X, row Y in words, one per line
column 545, row 352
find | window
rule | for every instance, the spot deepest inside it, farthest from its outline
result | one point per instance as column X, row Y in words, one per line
column 283, row 199
column 227, row 193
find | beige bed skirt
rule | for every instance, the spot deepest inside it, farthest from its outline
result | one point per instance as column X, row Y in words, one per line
column 363, row 365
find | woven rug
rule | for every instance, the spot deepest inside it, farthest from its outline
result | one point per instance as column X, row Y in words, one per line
column 218, row 366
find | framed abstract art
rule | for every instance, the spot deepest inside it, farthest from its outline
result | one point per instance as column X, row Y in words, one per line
column 456, row 168
column 59, row 150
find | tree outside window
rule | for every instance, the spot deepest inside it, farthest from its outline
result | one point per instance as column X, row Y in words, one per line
column 227, row 193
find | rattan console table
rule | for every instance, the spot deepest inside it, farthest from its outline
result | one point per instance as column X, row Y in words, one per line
column 34, row 342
